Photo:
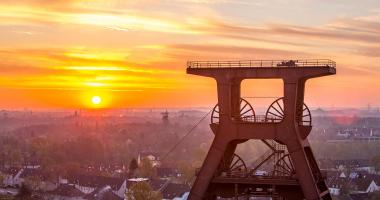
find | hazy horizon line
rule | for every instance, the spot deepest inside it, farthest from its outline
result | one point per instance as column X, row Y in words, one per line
column 372, row 108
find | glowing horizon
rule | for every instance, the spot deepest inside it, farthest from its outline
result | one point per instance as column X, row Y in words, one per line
column 133, row 53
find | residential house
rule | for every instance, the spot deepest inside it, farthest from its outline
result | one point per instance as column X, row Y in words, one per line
column 355, row 164
column 175, row 191
column 66, row 192
column 152, row 156
column 364, row 185
column 335, row 184
column 334, row 173
column 104, row 193
column 39, row 179
column 11, row 176
column 357, row 182
column 89, row 183
column 166, row 172
column 32, row 162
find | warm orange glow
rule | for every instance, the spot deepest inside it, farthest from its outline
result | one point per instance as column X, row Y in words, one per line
column 64, row 53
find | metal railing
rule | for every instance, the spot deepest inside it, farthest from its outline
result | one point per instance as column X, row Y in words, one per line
column 227, row 174
column 262, row 63
column 259, row 119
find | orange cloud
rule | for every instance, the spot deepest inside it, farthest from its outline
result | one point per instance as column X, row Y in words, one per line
column 95, row 45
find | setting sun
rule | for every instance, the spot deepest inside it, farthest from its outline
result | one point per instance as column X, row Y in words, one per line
column 96, row 100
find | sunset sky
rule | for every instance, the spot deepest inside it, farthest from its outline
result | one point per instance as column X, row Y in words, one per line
column 133, row 53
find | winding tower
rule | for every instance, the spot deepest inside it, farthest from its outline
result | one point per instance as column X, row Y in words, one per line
column 294, row 173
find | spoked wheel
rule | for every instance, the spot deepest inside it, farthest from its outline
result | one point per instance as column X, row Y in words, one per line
column 235, row 166
column 275, row 113
column 246, row 112
column 305, row 117
column 284, row 166
column 215, row 115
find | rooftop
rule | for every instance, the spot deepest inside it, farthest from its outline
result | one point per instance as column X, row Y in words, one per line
column 173, row 190
column 11, row 171
column 67, row 191
column 97, row 181
column 104, row 193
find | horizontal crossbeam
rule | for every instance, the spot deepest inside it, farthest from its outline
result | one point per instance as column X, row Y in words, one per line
column 262, row 63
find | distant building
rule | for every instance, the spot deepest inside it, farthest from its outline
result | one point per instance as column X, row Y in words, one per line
column 344, row 134
column 11, row 176
column 105, row 193
column 88, row 184
column 355, row 164
column 152, row 156
column 166, row 172
column 354, row 182
column 364, row 185
column 66, row 192
column 335, row 184
column 175, row 191
column 38, row 178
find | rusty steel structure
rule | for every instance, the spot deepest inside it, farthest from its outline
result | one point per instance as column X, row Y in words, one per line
column 290, row 169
